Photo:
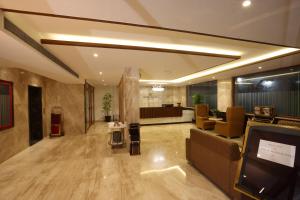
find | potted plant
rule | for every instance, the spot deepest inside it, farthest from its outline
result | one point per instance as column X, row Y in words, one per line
column 197, row 99
column 106, row 106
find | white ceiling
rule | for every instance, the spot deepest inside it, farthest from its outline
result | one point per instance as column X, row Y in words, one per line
column 112, row 63
column 273, row 21
column 16, row 54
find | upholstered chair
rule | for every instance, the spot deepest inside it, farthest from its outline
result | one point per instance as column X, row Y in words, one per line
column 202, row 120
column 234, row 125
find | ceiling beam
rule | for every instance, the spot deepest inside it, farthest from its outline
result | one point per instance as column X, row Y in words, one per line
column 132, row 47
column 136, row 25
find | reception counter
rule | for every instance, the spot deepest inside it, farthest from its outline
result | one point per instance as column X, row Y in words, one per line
column 157, row 112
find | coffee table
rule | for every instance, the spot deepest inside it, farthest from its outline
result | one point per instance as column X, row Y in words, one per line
column 215, row 119
column 116, row 130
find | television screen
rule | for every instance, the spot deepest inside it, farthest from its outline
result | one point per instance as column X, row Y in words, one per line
column 271, row 161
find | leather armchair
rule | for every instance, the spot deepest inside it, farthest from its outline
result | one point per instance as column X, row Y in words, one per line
column 202, row 120
column 234, row 125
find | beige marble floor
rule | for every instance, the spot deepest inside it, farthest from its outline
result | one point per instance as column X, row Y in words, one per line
column 85, row 167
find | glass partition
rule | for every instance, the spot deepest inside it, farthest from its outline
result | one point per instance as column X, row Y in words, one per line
column 277, row 88
column 207, row 90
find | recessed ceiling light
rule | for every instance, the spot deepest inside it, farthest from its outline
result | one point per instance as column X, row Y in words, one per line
column 246, row 3
column 259, row 67
column 239, row 79
column 102, row 80
column 22, row 72
column 100, row 73
column 95, row 55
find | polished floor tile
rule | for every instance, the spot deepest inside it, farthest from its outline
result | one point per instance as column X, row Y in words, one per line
column 85, row 167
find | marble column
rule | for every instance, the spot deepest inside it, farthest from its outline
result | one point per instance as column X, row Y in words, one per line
column 224, row 94
column 129, row 92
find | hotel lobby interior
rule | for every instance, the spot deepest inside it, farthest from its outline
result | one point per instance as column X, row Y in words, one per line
column 145, row 99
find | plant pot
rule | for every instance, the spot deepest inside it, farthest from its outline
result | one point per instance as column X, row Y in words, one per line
column 107, row 118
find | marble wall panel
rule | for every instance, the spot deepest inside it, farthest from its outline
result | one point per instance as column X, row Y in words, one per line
column 70, row 97
column 171, row 95
column 224, row 94
column 16, row 139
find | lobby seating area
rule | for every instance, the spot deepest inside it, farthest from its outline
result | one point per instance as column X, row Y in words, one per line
column 215, row 157
column 219, row 158
column 234, row 125
column 150, row 100
column 202, row 117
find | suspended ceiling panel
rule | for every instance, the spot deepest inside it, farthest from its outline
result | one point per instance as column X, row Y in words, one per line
column 111, row 62
column 219, row 53
column 275, row 21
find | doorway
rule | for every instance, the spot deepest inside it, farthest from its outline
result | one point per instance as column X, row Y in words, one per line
column 35, row 114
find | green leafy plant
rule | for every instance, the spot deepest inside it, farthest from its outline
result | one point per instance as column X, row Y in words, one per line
column 106, row 103
column 198, row 99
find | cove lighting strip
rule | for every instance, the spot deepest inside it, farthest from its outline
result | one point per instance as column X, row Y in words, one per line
column 135, row 43
column 192, row 48
column 270, row 76
column 225, row 67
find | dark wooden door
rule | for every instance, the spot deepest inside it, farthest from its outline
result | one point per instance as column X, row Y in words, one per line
column 35, row 114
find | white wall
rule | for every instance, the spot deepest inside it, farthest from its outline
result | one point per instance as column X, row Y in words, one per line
column 100, row 91
column 171, row 95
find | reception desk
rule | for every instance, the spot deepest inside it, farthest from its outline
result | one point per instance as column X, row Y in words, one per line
column 157, row 112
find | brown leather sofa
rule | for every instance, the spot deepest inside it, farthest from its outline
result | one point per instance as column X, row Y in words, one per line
column 202, row 121
column 216, row 158
column 234, row 125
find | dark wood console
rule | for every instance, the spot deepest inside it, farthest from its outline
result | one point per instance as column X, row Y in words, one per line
column 157, row 112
